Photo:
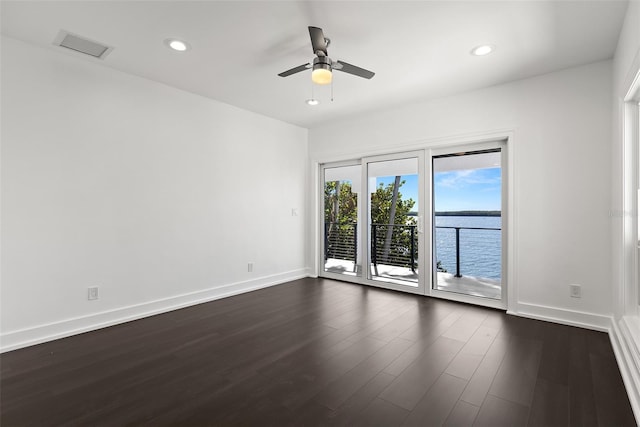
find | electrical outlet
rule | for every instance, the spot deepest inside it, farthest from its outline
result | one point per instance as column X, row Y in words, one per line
column 93, row 293
column 250, row 267
column 294, row 212
column 575, row 291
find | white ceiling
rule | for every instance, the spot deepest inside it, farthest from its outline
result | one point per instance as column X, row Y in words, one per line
column 418, row 49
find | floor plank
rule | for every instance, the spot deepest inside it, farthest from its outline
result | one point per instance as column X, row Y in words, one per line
column 463, row 415
column 607, row 386
column 349, row 413
column 409, row 387
column 383, row 414
column 434, row 408
column 516, row 378
column 550, row 405
column 496, row 412
column 482, row 379
column 582, row 402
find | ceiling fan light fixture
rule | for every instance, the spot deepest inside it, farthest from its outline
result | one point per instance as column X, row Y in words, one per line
column 321, row 73
column 321, row 76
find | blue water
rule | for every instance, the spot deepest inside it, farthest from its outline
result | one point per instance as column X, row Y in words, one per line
column 480, row 250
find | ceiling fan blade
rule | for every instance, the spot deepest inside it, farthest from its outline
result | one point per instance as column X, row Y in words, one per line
column 352, row 69
column 318, row 42
column 295, row 70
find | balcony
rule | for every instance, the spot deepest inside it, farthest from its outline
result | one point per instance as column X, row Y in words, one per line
column 394, row 257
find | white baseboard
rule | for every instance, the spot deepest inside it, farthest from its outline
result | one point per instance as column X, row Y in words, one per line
column 598, row 322
column 51, row 331
column 625, row 340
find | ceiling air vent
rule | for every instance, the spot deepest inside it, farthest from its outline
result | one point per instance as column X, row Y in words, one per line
column 82, row 45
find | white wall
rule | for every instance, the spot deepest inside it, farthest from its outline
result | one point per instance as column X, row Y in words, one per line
column 157, row 196
column 561, row 125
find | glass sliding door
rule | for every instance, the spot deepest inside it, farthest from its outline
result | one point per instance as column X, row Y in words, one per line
column 400, row 221
column 394, row 221
column 467, row 223
column 342, row 251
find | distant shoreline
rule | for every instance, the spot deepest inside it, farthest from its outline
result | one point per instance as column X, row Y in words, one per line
column 462, row 213
column 469, row 213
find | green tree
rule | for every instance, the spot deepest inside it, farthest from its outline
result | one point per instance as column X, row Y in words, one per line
column 381, row 202
column 393, row 244
column 393, row 235
column 340, row 204
column 340, row 216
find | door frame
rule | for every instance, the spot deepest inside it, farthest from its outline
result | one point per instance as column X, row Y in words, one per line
column 365, row 237
column 505, row 223
column 320, row 223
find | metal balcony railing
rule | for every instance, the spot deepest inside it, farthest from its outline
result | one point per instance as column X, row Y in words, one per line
column 458, row 274
column 401, row 250
column 341, row 241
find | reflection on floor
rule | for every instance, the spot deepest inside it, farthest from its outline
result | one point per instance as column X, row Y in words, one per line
column 467, row 285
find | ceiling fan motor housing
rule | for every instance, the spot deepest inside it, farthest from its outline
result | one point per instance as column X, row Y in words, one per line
column 322, row 62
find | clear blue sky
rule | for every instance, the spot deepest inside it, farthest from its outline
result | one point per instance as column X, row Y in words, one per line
column 476, row 189
column 473, row 189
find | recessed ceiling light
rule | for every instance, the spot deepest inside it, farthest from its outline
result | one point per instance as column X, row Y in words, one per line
column 178, row 45
column 482, row 50
column 312, row 101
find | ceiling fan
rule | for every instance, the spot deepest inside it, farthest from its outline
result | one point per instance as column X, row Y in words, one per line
column 323, row 65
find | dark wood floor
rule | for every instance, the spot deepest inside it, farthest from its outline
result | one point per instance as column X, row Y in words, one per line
column 320, row 352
